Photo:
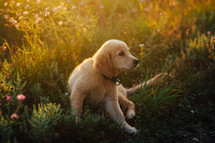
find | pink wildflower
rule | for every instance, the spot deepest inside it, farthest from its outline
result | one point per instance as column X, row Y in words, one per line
column 8, row 98
column 158, row 30
column 14, row 115
column 20, row 97
column 209, row 32
column 27, row 6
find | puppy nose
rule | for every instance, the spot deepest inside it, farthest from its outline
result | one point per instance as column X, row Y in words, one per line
column 136, row 61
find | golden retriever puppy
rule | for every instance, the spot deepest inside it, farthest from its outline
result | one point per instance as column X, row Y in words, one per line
column 94, row 82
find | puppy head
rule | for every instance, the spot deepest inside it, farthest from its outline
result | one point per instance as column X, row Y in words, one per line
column 114, row 57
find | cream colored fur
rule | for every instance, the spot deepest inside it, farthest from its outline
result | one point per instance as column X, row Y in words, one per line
column 88, row 82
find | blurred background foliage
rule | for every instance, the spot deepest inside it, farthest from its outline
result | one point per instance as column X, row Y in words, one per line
column 41, row 42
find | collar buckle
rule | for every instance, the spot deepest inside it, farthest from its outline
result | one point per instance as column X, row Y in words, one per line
column 116, row 81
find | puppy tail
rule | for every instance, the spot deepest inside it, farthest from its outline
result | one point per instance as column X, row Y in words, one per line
column 136, row 88
column 155, row 80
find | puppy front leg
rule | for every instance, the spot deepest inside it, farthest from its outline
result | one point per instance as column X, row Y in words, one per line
column 127, row 106
column 113, row 109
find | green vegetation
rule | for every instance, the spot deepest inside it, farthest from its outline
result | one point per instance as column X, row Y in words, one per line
column 41, row 42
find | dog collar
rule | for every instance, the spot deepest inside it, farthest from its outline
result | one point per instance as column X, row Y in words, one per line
column 114, row 80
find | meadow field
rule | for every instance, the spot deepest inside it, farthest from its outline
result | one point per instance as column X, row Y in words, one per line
column 42, row 41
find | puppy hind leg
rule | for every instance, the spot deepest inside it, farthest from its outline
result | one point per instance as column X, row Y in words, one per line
column 76, row 100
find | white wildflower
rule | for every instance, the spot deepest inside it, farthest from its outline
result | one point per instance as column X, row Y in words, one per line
column 25, row 12
column 195, row 139
column 55, row 9
column 66, row 93
column 141, row 45
column 74, row 7
column 36, row 15
column 47, row 13
column 18, row 4
column 37, row 21
column 60, row 23
column 4, row 48
column 20, row 17
column 59, row 7
column 6, row 17
column 47, row 8
column 11, row 19
column 173, row 3
column 13, row 2
column 17, row 26
column 14, row 22
column 5, row 4
column 38, row 1
column 64, row 8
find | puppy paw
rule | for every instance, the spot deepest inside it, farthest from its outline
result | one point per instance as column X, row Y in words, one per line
column 130, row 114
column 131, row 130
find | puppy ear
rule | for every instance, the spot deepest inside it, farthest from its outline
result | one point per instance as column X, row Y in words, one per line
column 102, row 63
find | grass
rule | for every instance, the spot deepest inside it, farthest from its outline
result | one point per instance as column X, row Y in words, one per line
column 42, row 41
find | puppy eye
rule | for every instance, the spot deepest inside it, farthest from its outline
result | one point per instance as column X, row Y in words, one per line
column 121, row 53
